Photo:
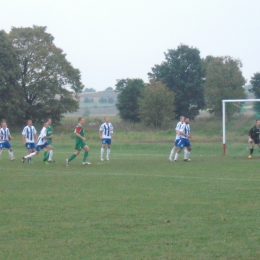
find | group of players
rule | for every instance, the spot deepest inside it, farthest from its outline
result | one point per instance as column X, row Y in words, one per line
column 44, row 141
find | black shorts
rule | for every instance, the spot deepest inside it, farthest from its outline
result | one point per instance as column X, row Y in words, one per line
column 256, row 141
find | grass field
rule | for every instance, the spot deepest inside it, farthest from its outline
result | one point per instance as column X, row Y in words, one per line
column 138, row 205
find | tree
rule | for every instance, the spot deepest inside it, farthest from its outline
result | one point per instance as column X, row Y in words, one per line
column 11, row 107
column 224, row 80
column 49, row 84
column 182, row 73
column 255, row 82
column 89, row 90
column 156, row 107
column 130, row 90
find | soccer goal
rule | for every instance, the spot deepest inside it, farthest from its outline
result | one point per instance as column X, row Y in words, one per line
column 234, row 107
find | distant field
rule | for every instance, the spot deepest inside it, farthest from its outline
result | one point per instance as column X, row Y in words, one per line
column 96, row 108
column 136, row 206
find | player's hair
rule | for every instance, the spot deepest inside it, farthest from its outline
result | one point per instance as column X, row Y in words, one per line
column 29, row 119
column 257, row 120
column 79, row 119
column 182, row 117
column 46, row 120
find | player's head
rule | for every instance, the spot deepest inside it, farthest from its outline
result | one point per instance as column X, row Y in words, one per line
column 257, row 122
column 106, row 119
column 81, row 120
column 187, row 120
column 49, row 120
column 182, row 118
column 29, row 122
column 3, row 123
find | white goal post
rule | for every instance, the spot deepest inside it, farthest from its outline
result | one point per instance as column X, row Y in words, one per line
column 224, row 117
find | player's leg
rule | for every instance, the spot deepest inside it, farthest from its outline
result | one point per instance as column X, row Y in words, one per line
column 108, row 148
column 252, row 144
column 86, row 151
column 45, row 154
column 102, row 149
column 180, row 146
column 187, row 153
column 11, row 154
column 78, row 148
column 31, row 154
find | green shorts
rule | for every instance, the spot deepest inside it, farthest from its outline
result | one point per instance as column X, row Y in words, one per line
column 80, row 145
column 50, row 142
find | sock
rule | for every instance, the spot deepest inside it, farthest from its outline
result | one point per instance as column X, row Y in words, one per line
column 251, row 151
column 73, row 156
column 101, row 152
column 172, row 153
column 176, row 156
column 11, row 154
column 85, row 156
column 187, row 154
column 108, row 152
column 30, row 155
column 50, row 155
column 45, row 155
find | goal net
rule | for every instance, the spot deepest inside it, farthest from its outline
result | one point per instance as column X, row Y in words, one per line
column 238, row 116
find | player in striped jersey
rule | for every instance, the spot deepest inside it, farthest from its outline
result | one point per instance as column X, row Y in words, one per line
column 184, row 141
column 29, row 136
column 177, row 130
column 105, row 134
column 5, row 136
column 41, row 143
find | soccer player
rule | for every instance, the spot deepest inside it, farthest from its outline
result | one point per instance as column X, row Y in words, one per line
column 41, row 143
column 184, row 141
column 48, row 154
column 29, row 136
column 177, row 130
column 5, row 136
column 253, row 137
column 80, row 143
column 105, row 134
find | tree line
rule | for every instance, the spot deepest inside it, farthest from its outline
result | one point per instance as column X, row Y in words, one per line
column 184, row 84
column 37, row 81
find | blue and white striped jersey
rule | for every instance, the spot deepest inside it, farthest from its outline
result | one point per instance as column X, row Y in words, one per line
column 41, row 139
column 186, row 130
column 4, row 134
column 178, row 128
column 107, row 130
column 29, row 132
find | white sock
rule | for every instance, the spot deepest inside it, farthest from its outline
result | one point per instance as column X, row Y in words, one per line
column 172, row 153
column 30, row 155
column 108, row 152
column 101, row 152
column 50, row 155
column 176, row 156
column 187, row 154
column 11, row 154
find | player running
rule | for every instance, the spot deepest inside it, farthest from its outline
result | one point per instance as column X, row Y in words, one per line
column 5, row 136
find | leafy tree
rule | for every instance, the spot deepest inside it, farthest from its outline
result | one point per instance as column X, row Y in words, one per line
column 182, row 73
column 130, row 90
column 255, row 82
column 109, row 89
column 224, row 80
column 110, row 100
column 156, row 107
column 102, row 100
column 49, row 84
column 11, row 107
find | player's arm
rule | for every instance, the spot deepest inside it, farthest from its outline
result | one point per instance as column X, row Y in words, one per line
column 77, row 133
column 250, row 139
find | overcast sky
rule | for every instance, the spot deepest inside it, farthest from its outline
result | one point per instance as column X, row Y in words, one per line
column 115, row 39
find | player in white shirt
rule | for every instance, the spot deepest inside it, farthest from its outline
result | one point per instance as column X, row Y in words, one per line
column 177, row 130
column 184, row 141
column 105, row 134
column 41, row 143
column 29, row 136
column 5, row 136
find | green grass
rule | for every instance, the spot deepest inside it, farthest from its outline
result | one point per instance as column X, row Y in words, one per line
column 136, row 206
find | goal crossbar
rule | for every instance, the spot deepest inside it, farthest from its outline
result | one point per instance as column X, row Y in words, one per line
column 224, row 117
